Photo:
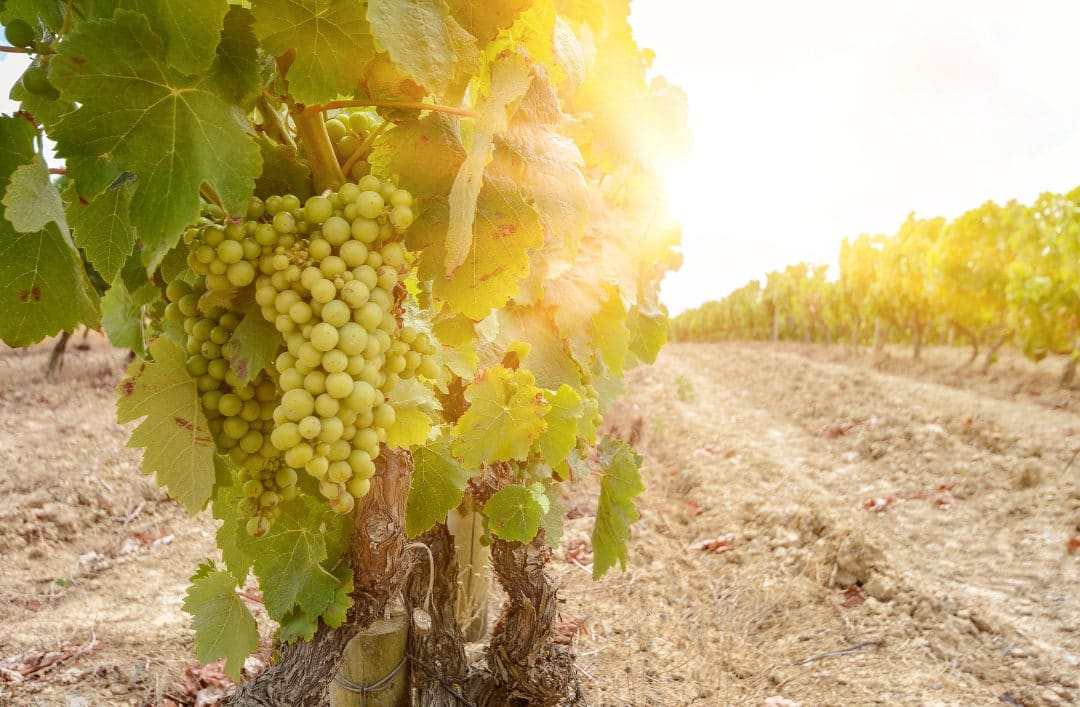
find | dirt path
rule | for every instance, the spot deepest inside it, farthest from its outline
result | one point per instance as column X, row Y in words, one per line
column 954, row 587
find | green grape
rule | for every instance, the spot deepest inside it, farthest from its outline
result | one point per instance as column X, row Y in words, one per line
column 20, row 34
column 258, row 526
column 317, row 209
column 297, row 404
column 324, row 336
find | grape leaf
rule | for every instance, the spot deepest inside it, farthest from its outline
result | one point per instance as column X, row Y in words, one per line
column 505, row 416
column 509, row 80
column 414, row 407
column 438, row 485
column 253, row 345
column 122, row 319
column 103, row 229
column 236, row 66
column 506, row 227
column 426, row 154
column 399, row 27
column 171, row 131
column 620, row 482
column 179, row 448
column 648, row 332
column 224, row 626
column 296, row 626
column 32, row 200
column 190, row 31
column 562, row 423
column 484, row 19
column 549, row 359
column 332, row 40
column 232, row 539
column 610, row 334
column 288, row 559
column 515, row 512
column 552, row 520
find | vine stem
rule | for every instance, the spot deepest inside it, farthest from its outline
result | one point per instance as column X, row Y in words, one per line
column 325, row 170
column 16, row 50
column 362, row 149
column 58, row 170
column 406, row 105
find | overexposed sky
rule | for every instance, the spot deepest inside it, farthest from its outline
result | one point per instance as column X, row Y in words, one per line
column 815, row 121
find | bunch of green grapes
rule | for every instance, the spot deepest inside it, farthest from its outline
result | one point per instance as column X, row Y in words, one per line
column 239, row 414
column 333, row 295
column 348, row 132
column 327, row 274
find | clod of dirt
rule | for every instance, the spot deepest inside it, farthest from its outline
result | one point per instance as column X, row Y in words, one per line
column 1028, row 474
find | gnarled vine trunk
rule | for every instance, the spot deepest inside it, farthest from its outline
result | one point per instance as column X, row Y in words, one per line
column 303, row 675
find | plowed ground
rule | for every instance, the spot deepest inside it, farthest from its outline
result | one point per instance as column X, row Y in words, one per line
column 820, row 529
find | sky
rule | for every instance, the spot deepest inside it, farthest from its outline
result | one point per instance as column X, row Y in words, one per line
column 816, row 121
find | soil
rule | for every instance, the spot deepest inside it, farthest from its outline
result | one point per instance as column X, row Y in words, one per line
column 821, row 528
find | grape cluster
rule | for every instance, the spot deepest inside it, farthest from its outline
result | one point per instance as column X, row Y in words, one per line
column 348, row 132
column 239, row 414
column 327, row 274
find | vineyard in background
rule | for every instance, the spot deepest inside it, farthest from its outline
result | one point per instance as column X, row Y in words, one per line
column 995, row 275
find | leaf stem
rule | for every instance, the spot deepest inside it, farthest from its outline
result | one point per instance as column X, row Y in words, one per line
column 15, row 50
column 58, row 170
column 272, row 124
column 405, row 105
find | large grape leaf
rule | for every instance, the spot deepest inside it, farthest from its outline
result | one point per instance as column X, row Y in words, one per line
column 506, row 228
column 253, row 345
column 332, row 40
column 103, row 229
column 620, row 482
column 505, row 416
column 415, row 35
column 610, row 335
column 179, row 448
column 190, row 31
column 510, row 79
column 425, row 154
column 562, row 424
column 236, row 66
column 438, row 485
column 288, row 560
column 169, row 130
column 43, row 286
column 224, row 626
column 515, row 512
column 483, row 19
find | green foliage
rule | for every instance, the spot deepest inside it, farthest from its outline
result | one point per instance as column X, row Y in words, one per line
column 224, row 626
column 522, row 176
column 438, row 485
column 620, row 483
column 174, row 433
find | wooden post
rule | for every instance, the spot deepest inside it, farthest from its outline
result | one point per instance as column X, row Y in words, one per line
column 474, row 572
column 371, row 658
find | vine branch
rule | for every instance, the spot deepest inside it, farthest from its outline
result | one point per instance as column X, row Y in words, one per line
column 15, row 50
column 404, row 105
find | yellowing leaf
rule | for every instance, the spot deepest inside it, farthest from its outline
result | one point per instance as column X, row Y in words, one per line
column 510, row 79
column 438, row 484
column 619, row 484
column 415, row 35
column 610, row 334
column 562, row 424
column 505, row 416
column 179, row 448
column 506, row 228
column 253, row 345
column 483, row 19
column 224, row 626
column 32, row 201
column 415, row 408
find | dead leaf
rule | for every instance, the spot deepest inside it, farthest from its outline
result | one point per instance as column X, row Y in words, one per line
column 715, row 545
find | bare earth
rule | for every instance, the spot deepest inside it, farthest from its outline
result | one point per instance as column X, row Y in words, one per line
column 818, row 530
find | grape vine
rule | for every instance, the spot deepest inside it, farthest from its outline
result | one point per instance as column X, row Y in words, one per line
column 351, row 243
